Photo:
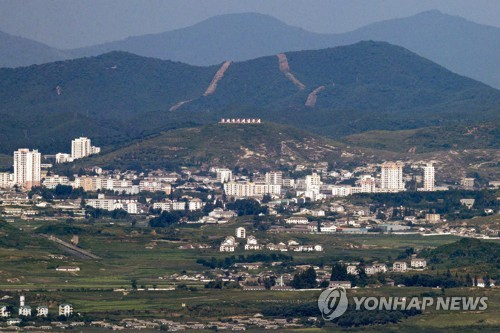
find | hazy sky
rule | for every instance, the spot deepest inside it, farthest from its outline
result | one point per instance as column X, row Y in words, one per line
column 75, row 23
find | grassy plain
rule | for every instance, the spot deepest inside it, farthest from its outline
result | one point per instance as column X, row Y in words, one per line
column 143, row 255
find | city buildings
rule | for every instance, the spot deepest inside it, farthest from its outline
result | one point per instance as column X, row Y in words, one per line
column 27, row 168
column 82, row 147
column 391, row 179
column 429, row 182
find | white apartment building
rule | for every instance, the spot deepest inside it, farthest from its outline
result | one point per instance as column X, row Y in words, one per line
column 5, row 180
column 274, row 178
column 241, row 232
column 52, row 181
column 313, row 182
column 82, row 147
column 341, row 191
column 169, row 205
column 246, row 189
column 130, row 206
column 154, row 185
column 429, row 181
column 392, row 177
column 367, row 184
column 224, row 175
column 27, row 168
column 63, row 158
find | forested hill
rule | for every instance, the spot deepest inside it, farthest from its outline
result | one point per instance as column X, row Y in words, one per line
column 118, row 96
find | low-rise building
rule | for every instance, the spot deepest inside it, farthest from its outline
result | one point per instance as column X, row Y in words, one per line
column 42, row 311
column 343, row 284
column 418, row 263
column 399, row 266
column 65, row 310
column 297, row 220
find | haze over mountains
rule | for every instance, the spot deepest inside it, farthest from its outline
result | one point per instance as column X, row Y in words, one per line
column 118, row 97
column 462, row 46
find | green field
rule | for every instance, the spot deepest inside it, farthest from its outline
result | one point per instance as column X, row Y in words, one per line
column 143, row 255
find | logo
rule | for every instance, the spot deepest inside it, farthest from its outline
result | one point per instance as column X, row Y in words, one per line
column 333, row 303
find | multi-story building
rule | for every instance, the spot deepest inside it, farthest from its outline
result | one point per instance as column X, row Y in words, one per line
column 399, row 266
column 313, row 182
column 274, row 178
column 224, row 175
column 63, row 158
column 52, row 181
column 392, row 177
column 429, row 181
column 241, row 232
column 5, row 180
column 27, row 168
column 82, row 147
column 467, row 183
column 418, row 263
column 367, row 184
column 65, row 310
column 42, row 311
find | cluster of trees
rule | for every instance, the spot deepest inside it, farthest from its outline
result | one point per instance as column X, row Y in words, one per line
column 246, row 207
column 97, row 213
column 354, row 318
column 229, row 261
column 59, row 192
column 305, row 279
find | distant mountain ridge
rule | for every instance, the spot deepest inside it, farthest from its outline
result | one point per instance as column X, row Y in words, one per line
column 465, row 47
column 118, row 97
column 18, row 51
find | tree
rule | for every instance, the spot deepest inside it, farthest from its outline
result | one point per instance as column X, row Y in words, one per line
column 339, row 272
column 133, row 284
column 305, row 280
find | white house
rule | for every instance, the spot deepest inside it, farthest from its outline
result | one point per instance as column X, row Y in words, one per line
column 375, row 269
column 352, row 269
column 228, row 244
column 418, row 263
column 399, row 266
column 252, row 244
column 42, row 311
column 25, row 310
column 4, row 313
column 65, row 310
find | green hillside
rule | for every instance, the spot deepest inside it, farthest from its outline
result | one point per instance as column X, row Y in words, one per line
column 118, row 97
column 261, row 145
column 428, row 139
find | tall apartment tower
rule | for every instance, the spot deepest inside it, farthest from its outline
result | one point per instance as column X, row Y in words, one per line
column 27, row 168
column 392, row 176
column 274, row 178
column 80, row 148
column 429, row 177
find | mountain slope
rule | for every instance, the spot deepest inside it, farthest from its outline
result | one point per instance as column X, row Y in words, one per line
column 264, row 145
column 117, row 97
column 462, row 46
column 234, row 37
column 18, row 51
